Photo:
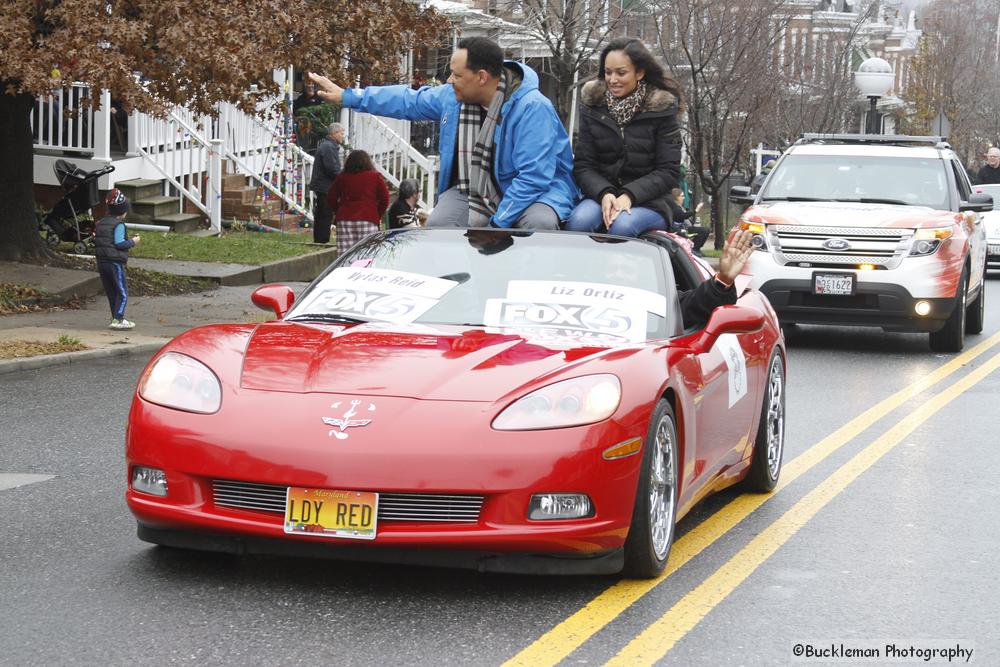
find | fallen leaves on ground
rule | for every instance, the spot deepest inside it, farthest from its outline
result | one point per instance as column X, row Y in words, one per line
column 19, row 349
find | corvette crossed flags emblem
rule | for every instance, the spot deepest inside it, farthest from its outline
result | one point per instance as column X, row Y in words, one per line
column 345, row 422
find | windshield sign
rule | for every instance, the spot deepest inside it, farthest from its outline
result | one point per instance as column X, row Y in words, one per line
column 376, row 294
column 608, row 310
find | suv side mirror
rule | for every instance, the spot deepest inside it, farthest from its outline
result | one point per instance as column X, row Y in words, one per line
column 978, row 202
column 278, row 298
column 740, row 194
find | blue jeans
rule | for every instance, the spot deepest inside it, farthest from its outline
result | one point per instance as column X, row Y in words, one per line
column 586, row 217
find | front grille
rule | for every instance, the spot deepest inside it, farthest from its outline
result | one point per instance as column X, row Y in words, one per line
column 416, row 507
column 877, row 246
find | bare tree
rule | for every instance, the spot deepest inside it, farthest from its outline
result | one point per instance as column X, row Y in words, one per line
column 724, row 55
column 818, row 92
column 573, row 32
column 957, row 72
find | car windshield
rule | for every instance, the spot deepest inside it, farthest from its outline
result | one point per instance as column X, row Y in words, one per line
column 559, row 282
column 860, row 178
column 993, row 191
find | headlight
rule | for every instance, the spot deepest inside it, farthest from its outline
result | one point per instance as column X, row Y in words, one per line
column 759, row 231
column 927, row 241
column 178, row 381
column 582, row 400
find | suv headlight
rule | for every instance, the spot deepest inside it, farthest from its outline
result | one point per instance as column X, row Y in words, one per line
column 183, row 383
column 927, row 241
column 582, row 400
column 759, row 231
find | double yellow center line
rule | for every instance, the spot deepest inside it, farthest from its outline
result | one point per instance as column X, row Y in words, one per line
column 657, row 639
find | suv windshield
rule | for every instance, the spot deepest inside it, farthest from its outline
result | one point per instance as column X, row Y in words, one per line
column 860, row 178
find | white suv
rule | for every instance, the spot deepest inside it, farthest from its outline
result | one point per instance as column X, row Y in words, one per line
column 871, row 230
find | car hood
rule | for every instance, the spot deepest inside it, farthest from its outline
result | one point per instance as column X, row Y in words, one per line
column 417, row 361
column 848, row 214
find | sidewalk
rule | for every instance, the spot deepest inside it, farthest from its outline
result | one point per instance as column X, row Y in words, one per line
column 157, row 318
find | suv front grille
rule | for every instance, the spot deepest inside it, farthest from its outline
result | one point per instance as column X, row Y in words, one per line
column 877, row 246
column 416, row 507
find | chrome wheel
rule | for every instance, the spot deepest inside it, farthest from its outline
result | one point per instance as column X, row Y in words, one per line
column 662, row 488
column 775, row 418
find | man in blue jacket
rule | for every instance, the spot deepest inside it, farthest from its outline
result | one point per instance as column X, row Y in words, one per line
column 506, row 160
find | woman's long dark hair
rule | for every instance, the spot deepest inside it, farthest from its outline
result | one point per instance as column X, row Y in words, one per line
column 358, row 160
column 642, row 60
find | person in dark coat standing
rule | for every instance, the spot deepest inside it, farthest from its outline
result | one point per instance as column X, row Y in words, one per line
column 628, row 152
column 111, row 248
column 325, row 171
column 990, row 172
column 359, row 198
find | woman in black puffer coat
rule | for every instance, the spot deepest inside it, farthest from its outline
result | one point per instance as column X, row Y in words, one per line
column 628, row 153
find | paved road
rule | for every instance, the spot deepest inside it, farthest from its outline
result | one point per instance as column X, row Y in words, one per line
column 878, row 534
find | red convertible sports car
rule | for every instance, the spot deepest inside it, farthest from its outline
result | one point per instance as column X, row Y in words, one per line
column 499, row 400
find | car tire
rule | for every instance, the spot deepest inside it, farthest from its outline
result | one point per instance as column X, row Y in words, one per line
column 951, row 337
column 769, row 446
column 975, row 314
column 651, row 533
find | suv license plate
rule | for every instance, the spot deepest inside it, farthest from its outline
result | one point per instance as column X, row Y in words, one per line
column 833, row 283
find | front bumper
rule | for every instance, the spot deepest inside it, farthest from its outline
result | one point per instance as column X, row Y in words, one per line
column 884, row 305
column 602, row 562
column 403, row 456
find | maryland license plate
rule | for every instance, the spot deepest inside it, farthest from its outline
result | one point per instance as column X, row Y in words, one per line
column 833, row 283
column 331, row 513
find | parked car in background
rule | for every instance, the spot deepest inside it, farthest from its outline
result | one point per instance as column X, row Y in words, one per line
column 992, row 222
column 871, row 230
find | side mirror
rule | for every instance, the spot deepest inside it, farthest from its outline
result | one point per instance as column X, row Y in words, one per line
column 278, row 298
column 729, row 319
column 978, row 202
column 740, row 194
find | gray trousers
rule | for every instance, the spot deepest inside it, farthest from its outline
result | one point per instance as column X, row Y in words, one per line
column 452, row 210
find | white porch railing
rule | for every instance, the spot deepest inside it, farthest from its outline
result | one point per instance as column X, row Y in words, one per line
column 261, row 150
column 189, row 161
column 187, row 150
column 64, row 121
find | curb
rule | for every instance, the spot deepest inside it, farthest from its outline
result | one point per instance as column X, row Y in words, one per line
column 63, row 358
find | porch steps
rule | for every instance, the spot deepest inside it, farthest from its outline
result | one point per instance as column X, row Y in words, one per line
column 180, row 223
column 137, row 189
column 241, row 201
column 151, row 207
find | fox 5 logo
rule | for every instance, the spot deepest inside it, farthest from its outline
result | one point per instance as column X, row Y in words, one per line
column 602, row 318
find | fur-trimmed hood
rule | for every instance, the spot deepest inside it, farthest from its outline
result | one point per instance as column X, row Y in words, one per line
column 657, row 99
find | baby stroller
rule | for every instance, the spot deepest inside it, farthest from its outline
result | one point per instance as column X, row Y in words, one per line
column 63, row 222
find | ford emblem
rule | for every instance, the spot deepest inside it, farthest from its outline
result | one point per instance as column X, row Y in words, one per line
column 836, row 244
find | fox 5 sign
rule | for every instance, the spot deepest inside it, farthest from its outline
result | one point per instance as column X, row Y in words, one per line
column 375, row 306
column 629, row 324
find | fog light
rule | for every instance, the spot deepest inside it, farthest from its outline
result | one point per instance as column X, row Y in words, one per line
column 866, row 267
column 149, row 480
column 922, row 308
column 560, row 506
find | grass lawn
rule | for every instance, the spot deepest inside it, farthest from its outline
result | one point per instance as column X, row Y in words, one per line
column 19, row 349
column 235, row 247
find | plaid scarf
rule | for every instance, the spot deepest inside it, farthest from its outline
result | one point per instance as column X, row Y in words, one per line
column 624, row 108
column 475, row 156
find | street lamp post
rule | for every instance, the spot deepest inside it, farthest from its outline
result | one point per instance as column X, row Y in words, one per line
column 874, row 79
